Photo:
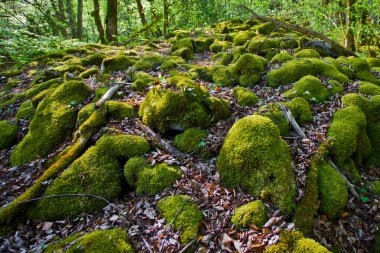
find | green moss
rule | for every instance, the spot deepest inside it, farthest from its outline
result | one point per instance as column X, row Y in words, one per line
column 222, row 75
column 85, row 112
column 223, row 58
column 242, row 37
column 333, row 194
column 307, row 53
column 260, row 44
column 360, row 67
column 26, row 110
column 185, row 53
column 120, row 110
column 39, row 87
column 96, row 168
column 254, row 212
column 149, row 62
column 309, row 245
column 245, row 97
column 182, row 212
column 156, row 179
column 117, row 62
column 300, row 110
column 172, row 62
column 282, row 57
column 219, row 46
column 62, row 69
column 265, row 28
column 335, row 87
column 222, row 27
column 8, row 134
column 274, row 113
column 132, row 169
column 254, row 157
column 112, row 240
column 203, row 44
column 53, row 121
column 373, row 62
column 90, row 72
column 183, row 43
column 373, row 130
column 141, row 80
column 309, row 88
column 220, row 108
column 248, row 68
column 93, row 59
column 356, row 100
column 294, row 70
column 376, row 241
column 201, row 72
column 289, row 42
column 190, row 141
column 369, row 89
column 308, row 206
column 375, row 187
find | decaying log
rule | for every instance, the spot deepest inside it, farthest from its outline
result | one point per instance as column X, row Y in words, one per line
column 341, row 49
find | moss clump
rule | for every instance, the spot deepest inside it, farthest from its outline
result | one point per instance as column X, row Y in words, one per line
column 254, row 212
column 245, row 97
column 309, row 245
column 8, row 134
column 149, row 62
column 120, row 110
column 296, row 69
column 300, row 110
column 375, row 187
column 356, row 100
column 53, row 121
column 182, row 212
column 309, row 88
column 223, row 58
column 172, row 62
column 373, row 62
column 85, row 112
column 132, row 169
column 185, row 53
column 95, row 172
column 307, row 53
column 274, row 113
column 93, row 59
column 360, row 69
column 333, row 194
column 248, row 68
column 219, row 46
column 373, row 130
column 203, row 44
column 335, row 87
column 201, row 72
column 222, row 75
column 39, row 87
column 141, row 80
column 90, row 72
column 62, row 69
column 96, row 120
column 112, row 240
column 265, row 28
column 260, row 44
column 190, row 141
column 282, row 57
column 254, row 157
column 183, row 43
column 117, row 62
column 26, row 110
column 219, row 107
column 369, row 89
column 242, row 37
column 156, row 179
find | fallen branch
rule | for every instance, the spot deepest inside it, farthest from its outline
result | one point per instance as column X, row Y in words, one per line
column 147, row 245
column 289, row 117
column 188, row 246
column 342, row 50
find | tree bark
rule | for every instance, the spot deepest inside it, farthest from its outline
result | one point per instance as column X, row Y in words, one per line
column 141, row 12
column 80, row 20
column 166, row 16
column 111, row 20
column 70, row 15
column 98, row 21
column 349, row 40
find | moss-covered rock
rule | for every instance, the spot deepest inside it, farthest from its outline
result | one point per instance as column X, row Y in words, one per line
column 220, row 108
column 373, row 62
column 112, row 240
column 201, row 72
column 132, row 169
column 8, row 134
column 300, row 110
column 184, row 53
column 375, row 187
column 141, row 80
column 190, row 141
column 53, row 121
column 183, row 43
column 120, row 110
column 39, row 87
column 248, row 68
column 172, row 62
column 223, row 58
column 183, row 213
column 282, row 57
column 245, row 97
column 95, row 172
column 219, row 46
column 156, row 179
column 26, row 110
column 296, row 69
column 254, row 157
column 360, row 68
column 260, row 44
column 242, row 37
column 335, row 87
column 274, row 113
column 254, row 212
column 94, row 59
column 222, row 75
column 333, row 194
column 309, row 245
column 85, row 112
column 117, row 62
column 310, row 88
column 149, row 62
column 307, row 53
column 369, row 89
column 373, row 130
column 265, row 28
column 203, row 44
column 90, row 72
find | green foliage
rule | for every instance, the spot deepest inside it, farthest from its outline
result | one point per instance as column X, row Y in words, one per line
column 8, row 134
column 254, row 212
column 182, row 212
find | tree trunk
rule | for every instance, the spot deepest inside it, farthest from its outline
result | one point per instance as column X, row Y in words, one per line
column 141, row 12
column 80, row 20
column 111, row 20
column 166, row 16
column 98, row 21
column 70, row 15
column 349, row 40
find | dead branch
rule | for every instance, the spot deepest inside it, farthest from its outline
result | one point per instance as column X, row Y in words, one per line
column 147, row 245
column 108, row 95
column 188, row 246
column 289, row 117
column 342, row 50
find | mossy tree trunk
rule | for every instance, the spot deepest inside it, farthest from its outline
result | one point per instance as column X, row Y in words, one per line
column 111, row 20
column 80, row 19
column 349, row 40
column 141, row 12
column 166, row 16
column 98, row 21
column 70, row 16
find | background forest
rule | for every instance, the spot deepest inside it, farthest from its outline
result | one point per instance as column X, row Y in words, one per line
column 32, row 27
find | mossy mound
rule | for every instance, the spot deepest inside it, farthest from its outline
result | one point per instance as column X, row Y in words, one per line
column 307, row 53
column 300, row 110
column 254, row 212
column 191, row 140
column 219, row 46
column 245, row 97
column 201, row 72
column 222, row 75
column 132, row 169
column 373, row 62
column 172, row 62
column 117, row 62
column 248, row 68
column 141, row 80
column 281, row 57
column 120, row 110
column 220, row 108
column 112, row 240
column 333, row 194
column 183, row 43
column 242, row 37
column 274, row 113
column 89, row 72
column 296, row 69
column 8, row 134
column 254, row 157
column 359, row 69
column 53, row 121
column 375, row 187
column 223, row 58
column 369, row 89
column 203, row 44
column 261, row 44
column 183, row 213
column 149, row 62
column 184, row 53
column 96, row 172
column 39, row 87
column 310, row 88
column 85, row 112
column 26, row 110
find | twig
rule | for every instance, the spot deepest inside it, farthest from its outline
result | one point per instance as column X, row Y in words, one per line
column 147, row 245
column 289, row 117
column 188, row 246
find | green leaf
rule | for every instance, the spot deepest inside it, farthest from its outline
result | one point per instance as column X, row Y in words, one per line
column 202, row 144
column 364, row 199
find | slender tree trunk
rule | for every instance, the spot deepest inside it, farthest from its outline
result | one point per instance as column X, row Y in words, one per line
column 98, row 21
column 111, row 20
column 166, row 16
column 141, row 12
column 80, row 20
column 70, row 15
column 349, row 41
